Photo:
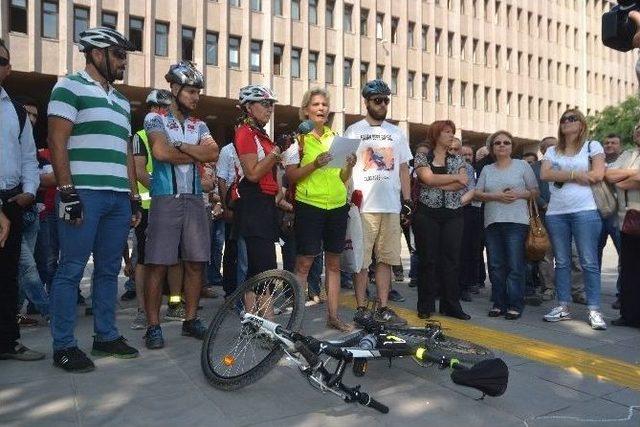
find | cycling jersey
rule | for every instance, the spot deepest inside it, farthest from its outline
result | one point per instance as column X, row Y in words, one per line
column 250, row 140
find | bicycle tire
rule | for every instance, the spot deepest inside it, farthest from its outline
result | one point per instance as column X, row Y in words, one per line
column 213, row 360
column 464, row 351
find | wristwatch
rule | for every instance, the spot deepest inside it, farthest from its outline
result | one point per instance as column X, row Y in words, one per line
column 177, row 144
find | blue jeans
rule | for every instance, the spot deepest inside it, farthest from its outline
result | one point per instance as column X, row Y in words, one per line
column 47, row 249
column 29, row 281
column 611, row 228
column 214, row 277
column 507, row 265
column 103, row 232
column 584, row 227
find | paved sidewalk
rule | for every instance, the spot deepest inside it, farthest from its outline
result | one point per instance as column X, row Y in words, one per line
column 167, row 388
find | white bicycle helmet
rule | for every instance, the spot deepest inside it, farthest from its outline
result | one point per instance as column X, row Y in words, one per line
column 256, row 93
column 101, row 38
column 159, row 97
column 185, row 73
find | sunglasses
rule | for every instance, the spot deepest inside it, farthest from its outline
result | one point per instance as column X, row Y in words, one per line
column 3, row 62
column 119, row 53
column 569, row 119
column 266, row 103
column 505, row 143
column 379, row 101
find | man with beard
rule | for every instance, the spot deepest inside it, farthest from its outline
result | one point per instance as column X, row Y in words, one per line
column 178, row 227
column 382, row 175
column 89, row 131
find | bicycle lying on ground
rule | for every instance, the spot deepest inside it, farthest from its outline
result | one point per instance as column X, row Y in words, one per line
column 259, row 324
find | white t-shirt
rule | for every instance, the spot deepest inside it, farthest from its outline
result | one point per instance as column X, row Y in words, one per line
column 377, row 172
column 572, row 197
column 228, row 166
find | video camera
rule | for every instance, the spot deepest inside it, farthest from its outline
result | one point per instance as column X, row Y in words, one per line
column 617, row 29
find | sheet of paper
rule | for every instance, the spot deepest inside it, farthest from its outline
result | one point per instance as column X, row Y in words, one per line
column 340, row 148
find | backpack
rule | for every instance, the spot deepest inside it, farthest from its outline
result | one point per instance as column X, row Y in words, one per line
column 22, row 116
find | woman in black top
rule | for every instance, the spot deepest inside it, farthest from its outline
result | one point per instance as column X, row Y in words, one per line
column 438, row 223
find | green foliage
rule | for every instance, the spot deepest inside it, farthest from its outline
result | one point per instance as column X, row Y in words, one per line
column 619, row 119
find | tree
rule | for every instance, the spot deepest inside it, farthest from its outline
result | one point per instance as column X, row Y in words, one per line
column 619, row 119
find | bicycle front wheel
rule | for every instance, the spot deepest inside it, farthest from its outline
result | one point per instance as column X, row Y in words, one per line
column 234, row 354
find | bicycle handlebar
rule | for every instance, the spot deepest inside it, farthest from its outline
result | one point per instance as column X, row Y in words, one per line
column 366, row 400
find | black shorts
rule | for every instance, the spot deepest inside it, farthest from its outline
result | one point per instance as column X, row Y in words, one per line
column 141, row 235
column 320, row 229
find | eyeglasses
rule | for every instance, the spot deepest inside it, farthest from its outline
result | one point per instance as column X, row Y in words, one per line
column 569, row 119
column 379, row 101
column 119, row 53
column 4, row 62
column 505, row 143
column 266, row 103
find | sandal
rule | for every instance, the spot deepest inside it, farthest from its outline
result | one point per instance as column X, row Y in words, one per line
column 512, row 315
column 337, row 323
column 495, row 312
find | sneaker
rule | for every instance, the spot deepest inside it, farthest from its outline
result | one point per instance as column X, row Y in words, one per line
column 580, row 298
column 25, row 321
column 388, row 316
column 398, row 276
column 193, row 328
column 153, row 338
column 548, row 294
column 339, row 324
column 362, row 315
column 20, row 352
column 128, row 295
column 596, row 321
column 175, row 312
column 616, row 304
column 140, row 322
column 72, row 359
column 395, row 296
column 558, row 313
column 115, row 348
column 208, row 292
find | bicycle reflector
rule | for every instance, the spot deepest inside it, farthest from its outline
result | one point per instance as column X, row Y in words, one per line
column 228, row 360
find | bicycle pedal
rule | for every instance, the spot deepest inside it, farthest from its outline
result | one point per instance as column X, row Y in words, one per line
column 360, row 367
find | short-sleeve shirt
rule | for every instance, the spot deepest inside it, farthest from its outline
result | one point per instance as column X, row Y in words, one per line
column 383, row 149
column 629, row 159
column 101, row 129
column 518, row 177
column 251, row 141
column 572, row 197
column 167, row 178
column 435, row 198
column 228, row 166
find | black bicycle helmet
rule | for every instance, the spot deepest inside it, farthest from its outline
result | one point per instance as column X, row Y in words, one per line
column 102, row 38
column 375, row 87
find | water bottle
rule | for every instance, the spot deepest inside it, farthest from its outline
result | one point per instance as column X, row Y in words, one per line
column 368, row 342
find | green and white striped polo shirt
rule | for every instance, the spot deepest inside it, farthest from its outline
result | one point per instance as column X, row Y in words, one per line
column 101, row 129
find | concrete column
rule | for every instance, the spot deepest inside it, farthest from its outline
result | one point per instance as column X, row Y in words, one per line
column 65, row 36
column 223, row 54
column 245, row 45
column 199, row 44
column 34, row 11
column 266, row 64
column 149, row 42
column 175, row 42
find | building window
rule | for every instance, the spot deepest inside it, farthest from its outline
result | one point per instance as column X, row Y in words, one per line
column 188, row 36
column 509, row 97
column 50, row 19
column 278, row 51
column 136, row 32
column 486, row 98
column 410, row 30
column 474, row 51
column 110, row 20
column 486, row 54
column 255, row 55
column 162, row 38
column 313, row 66
column 379, row 71
column 531, row 108
column 463, row 94
column 364, row 72
column 425, row 86
column 530, row 65
column 234, row 3
column 212, row 48
column 346, row 18
column 411, row 76
column 539, row 70
column 256, row 5
column 519, row 64
column 474, row 96
column 463, row 7
column 498, row 55
column 394, row 80
column 277, row 7
column 463, row 48
column 379, row 26
column 436, row 93
column 509, row 54
column 80, row 21
column 423, row 37
column 313, row 10
column 394, row 30
column 328, row 14
column 364, row 18
column 509, row 8
column 295, row 11
column 497, row 12
column 330, row 61
column 346, row 75
column 498, row 93
column 18, row 16
column 450, row 44
column 234, row 52
column 450, row 84
column 296, row 54
column 438, row 36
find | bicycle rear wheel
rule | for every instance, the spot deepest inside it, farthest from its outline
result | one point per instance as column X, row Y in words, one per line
column 438, row 344
column 234, row 354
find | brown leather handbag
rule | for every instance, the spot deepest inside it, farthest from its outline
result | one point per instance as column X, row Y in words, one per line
column 537, row 243
column 631, row 223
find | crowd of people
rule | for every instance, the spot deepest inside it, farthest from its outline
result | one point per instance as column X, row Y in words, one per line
column 203, row 216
